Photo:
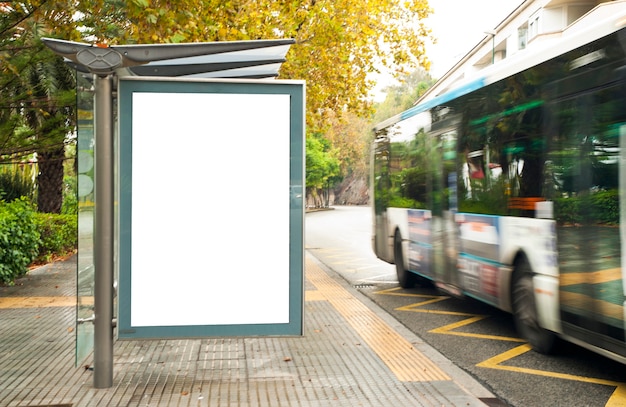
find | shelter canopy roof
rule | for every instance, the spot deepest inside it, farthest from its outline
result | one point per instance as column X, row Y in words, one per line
column 257, row 59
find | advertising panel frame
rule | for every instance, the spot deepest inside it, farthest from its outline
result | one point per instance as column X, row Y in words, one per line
column 241, row 143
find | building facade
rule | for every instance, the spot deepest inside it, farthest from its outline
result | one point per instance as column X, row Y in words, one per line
column 532, row 25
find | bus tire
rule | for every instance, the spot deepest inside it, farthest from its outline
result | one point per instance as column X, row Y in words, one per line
column 405, row 277
column 525, row 310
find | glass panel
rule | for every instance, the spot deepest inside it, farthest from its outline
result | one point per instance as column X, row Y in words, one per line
column 85, row 271
column 586, row 158
column 407, row 181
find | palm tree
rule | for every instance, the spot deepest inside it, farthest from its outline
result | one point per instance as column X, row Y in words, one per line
column 37, row 90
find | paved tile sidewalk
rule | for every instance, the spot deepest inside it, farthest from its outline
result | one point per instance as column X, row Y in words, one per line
column 338, row 362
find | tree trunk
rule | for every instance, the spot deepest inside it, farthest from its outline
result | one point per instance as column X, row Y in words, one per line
column 50, row 181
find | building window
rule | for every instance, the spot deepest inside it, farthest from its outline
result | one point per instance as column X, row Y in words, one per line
column 533, row 26
column 522, row 37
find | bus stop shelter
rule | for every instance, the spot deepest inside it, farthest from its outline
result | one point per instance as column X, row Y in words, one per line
column 189, row 62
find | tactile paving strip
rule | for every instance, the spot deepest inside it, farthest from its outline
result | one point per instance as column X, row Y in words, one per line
column 407, row 363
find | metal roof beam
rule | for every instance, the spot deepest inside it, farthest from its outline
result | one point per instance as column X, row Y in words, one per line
column 179, row 70
column 106, row 59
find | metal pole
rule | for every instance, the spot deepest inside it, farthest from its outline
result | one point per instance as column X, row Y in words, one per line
column 103, row 236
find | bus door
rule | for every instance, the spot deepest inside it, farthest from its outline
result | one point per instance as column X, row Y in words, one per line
column 445, row 205
column 380, row 194
column 588, row 135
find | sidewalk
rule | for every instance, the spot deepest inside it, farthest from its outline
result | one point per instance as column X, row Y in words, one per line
column 352, row 354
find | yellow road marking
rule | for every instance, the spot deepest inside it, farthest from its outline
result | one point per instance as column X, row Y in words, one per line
column 618, row 398
column 406, row 362
column 395, row 291
column 448, row 330
column 36, row 302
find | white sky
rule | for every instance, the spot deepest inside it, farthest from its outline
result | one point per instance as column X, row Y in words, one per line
column 458, row 25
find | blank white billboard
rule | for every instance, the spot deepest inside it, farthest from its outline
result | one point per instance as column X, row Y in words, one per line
column 210, row 211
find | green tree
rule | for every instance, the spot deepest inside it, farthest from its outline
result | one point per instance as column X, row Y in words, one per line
column 339, row 43
column 403, row 95
column 350, row 136
column 38, row 94
column 322, row 167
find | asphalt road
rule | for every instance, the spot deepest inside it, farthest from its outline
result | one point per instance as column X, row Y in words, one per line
column 476, row 337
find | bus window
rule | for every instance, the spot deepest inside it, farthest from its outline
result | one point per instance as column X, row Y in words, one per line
column 380, row 164
column 504, row 161
column 408, row 173
column 585, row 152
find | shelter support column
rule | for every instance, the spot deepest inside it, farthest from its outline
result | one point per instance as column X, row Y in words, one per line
column 104, row 233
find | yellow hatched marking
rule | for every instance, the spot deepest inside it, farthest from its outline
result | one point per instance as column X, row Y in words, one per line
column 431, row 299
column 36, row 302
column 394, row 291
column 449, row 330
column 618, row 398
column 406, row 362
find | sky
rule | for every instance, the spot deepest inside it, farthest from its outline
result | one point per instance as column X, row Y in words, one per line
column 458, row 25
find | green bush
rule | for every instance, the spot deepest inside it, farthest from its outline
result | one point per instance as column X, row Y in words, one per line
column 19, row 239
column 59, row 235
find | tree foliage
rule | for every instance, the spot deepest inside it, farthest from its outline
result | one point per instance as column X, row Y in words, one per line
column 339, row 43
column 37, row 93
column 350, row 135
column 321, row 162
column 403, row 95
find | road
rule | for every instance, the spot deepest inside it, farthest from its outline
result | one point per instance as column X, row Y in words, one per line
column 476, row 337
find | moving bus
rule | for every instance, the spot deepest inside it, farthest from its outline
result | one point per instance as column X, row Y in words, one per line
column 510, row 189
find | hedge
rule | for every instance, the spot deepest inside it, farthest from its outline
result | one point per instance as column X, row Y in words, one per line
column 58, row 235
column 28, row 237
column 19, row 239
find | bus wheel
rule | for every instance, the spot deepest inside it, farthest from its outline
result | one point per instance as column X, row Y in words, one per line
column 525, row 310
column 405, row 277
